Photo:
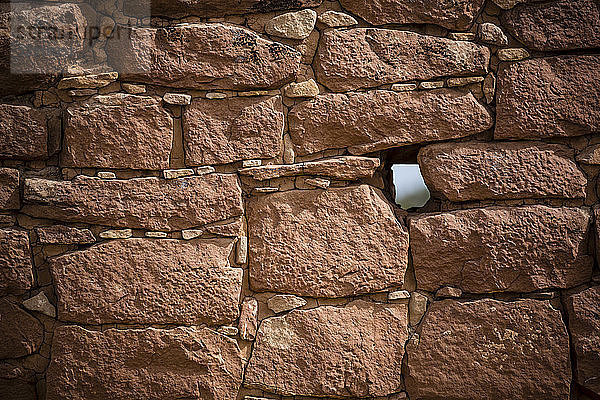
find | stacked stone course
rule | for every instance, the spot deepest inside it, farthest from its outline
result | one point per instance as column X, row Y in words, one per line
column 202, row 207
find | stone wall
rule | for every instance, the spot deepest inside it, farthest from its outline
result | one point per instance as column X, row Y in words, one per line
column 202, row 208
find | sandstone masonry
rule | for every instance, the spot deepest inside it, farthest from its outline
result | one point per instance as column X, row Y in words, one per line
column 207, row 200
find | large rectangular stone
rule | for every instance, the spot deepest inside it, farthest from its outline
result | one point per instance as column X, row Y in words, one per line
column 332, row 243
column 118, row 131
column 489, row 349
column 216, row 56
column 180, row 363
column 213, row 8
column 556, row 25
column 144, row 203
column 516, row 249
column 24, row 132
column 233, row 129
column 380, row 119
column 506, row 170
column 149, row 282
column 10, row 199
column 16, row 274
column 351, row 351
column 546, row 97
column 451, row 14
column 366, row 57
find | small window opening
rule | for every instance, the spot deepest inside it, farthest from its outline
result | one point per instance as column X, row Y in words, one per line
column 409, row 186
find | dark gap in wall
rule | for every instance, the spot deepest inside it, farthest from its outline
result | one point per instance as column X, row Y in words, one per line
column 404, row 185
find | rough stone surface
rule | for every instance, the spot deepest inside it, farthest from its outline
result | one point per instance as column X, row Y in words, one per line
column 116, row 234
column 451, row 14
column 10, row 199
column 21, row 333
column 177, row 99
column 121, row 131
column 285, row 302
column 515, row 249
column 366, row 57
column 583, row 309
column 16, row 274
column 233, row 129
column 331, row 243
column 149, row 281
column 248, row 323
column 489, row 87
column 152, row 203
column 24, row 132
column 590, row 155
column 492, row 34
column 40, row 303
column 545, row 97
column 16, row 383
column 293, row 25
column 180, row 363
column 417, row 307
column 336, row 19
column 556, row 25
column 490, row 349
column 513, row 54
column 29, row 61
column 218, row 8
column 307, row 88
column 94, row 81
column 345, row 167
column 508, row 4
column 216, row 56
column 508, row 170
column 448, row 291
column 355, row 350
column 381, row 119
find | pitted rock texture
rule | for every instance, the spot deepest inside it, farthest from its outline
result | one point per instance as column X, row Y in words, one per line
column 504, row 170
column 118, row 131
column 293, row 25
column 508, row 4
column 490, row 349
column 61, row 234
column 216, row 56
column 151, row 203
column 546, row 97
column 366, row 57
column 376, row 120
column 450, row 14
column 346, row 167
column 331, row 243
column 513, row 249
column 217, row 8
column 583, row 309
column 150, row 281
column 180, row 363
column 556, row 25
column 16, row 275
column 21, row 333
column 355, row 350
column 24, row 132
column 30, row 58
column 233, row 129
column 10, row 198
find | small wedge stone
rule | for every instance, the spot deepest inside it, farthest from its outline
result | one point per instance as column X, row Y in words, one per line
column 285, row 302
